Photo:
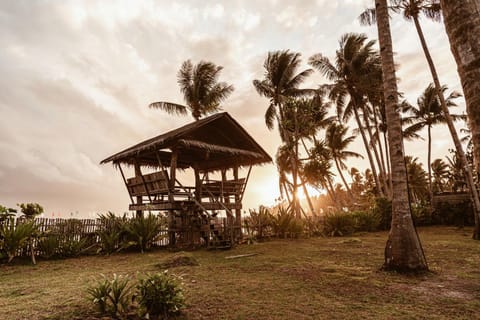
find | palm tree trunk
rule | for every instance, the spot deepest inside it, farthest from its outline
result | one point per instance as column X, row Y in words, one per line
column 429, row 166
column 403, row 251
column 343, row 178
column 369, row 154
column 451, row 127
column 387, row 156
column 375, row 152
column 380, row 149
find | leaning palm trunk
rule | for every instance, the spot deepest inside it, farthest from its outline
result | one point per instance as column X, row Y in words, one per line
column 429, row 166
column 403, row 251
column 369, row 154
column 337, row 165
column 375, row 153
column 451, row 127
column 382, row 158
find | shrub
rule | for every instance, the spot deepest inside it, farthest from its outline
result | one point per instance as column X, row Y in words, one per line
column 49, row 245
column 143, row 231
column 15, row 237
column 366, row 221
column 285, row 224
column 72, row 247
column 339, row 224
column 421, row 215
column 458, row 214
column 160, row 295
column 382, row 207
column 112, row 297
column 112, row 233
column 259, row 222
column 313, row 225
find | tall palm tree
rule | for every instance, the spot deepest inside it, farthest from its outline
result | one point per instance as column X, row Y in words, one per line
column 460, row 16
column 337, row 143
column 355, row 74
column 403, row 251
column 281, row 83
column 200, row 88
column 426, row 114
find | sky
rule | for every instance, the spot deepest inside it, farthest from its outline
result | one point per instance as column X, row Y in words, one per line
column 77, row 77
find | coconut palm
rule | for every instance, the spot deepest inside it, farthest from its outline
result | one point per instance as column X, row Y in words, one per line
column 337, row 143
column 355, row 75
column 403, row 251
column 417, row 180
column 426, row 114
column 280, row 84
column 200, row 88
column 440, row 171
column 461, row 16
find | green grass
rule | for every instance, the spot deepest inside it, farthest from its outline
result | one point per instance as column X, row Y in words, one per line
column 317, row 278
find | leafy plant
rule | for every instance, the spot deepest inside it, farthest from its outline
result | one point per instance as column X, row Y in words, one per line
column 112, row 297
column 143, row 231
column 6, row 213
column 259, row 222
column 382, row 207
column 72, row 247
column 161, row 295
column 15, row 237
column 339, row 224
column 111, row 233
column 49, row 245
column 285, row 224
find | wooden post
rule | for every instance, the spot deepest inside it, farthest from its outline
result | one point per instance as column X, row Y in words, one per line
column 238, row 212
column 138, row 173
column 198, row 184
column 173, row 170
column 126, row 184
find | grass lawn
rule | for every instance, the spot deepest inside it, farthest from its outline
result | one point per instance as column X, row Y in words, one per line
column 317, row 278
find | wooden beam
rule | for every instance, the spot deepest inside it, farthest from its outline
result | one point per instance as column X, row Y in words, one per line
column 125, row 181
column 138, row 172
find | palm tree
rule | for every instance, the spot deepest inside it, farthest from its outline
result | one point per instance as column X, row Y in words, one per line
column 460, row 16
column 403, row 251
column 426, row 114
column 355, row 74
column 200, row 88
column 337, row 142
column 417, row 181
column 440, row 172
column 281, row 83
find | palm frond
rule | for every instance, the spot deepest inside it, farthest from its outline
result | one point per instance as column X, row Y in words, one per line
column 169, row 107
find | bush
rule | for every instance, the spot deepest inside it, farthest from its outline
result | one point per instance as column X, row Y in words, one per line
column 49, row 245
column 112, row 233
column 259, row 223
column 285, row 224
column 161, row 295
column 366, row 221
column 143, row 231
column 382, row 207
column 421, row 215
column 339, row 224
column 15, row 237
column 112, row 297
column 458, row 214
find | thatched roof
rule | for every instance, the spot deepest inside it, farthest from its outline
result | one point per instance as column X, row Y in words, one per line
column 212, row 143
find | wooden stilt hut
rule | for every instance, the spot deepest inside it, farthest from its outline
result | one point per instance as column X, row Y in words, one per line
column 213, row 146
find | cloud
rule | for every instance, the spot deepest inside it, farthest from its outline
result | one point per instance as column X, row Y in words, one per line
column 77, row 78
